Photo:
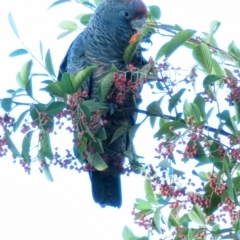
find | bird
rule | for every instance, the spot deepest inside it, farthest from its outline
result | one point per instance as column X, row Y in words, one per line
column 102, row 44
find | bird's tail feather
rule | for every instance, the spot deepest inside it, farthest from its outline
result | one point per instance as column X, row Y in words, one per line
column 106, row 188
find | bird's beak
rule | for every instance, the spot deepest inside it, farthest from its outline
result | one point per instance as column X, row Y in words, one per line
column 138, row 23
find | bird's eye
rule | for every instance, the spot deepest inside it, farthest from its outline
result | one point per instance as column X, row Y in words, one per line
column 126, row 14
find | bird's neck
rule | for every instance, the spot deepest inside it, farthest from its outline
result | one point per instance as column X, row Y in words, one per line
column 106, row 44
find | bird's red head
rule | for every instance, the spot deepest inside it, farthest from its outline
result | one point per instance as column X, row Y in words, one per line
column 141, row 9
column 138, row 5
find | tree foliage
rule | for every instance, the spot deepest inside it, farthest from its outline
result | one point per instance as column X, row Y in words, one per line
column 196, row 120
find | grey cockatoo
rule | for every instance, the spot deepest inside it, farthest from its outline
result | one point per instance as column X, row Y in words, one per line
column 102, row 43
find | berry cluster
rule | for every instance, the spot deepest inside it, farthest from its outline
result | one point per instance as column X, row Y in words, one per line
column 171, row 190
column 25, row 166
column 6, row 121
column 197, row 199
column 3, row 146
column 218, row 188
column 232, row 85
column 144, row 221
column 165, row 148
column 25, row 128
column 124, row 83
column 230, row 207
column 66, row 162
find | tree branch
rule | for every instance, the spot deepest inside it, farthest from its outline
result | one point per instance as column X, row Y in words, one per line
column 208, row 128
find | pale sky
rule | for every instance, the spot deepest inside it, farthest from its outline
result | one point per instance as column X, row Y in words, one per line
column 30, row 206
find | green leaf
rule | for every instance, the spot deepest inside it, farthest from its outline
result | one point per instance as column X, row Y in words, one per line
column 96, row 161
column 214, row 27
column 203, row 57
column 119, row 132
column 66, row 84
column 209, row 79
column 12, row 24
column 58, row 3
column 142, row 204
column 106, row 84
column 225, row 163
column 18, row 52
column 127, row 234
column 178, row 40
column 236, row 184
column 159, row 86
column 68, row 25
column 204, row 176
column 217, row 69
column 234, row 50
column 19, row 120
column 25, row 72
column 28, row 88
column 166, row 128
column 12, row 92
column 213, row 198
column 154, row 108
column 86, row 18
column 46, row 171
column 208, row 115
column 81, row 77
column 34, row 112
column 78, row 154
column 192, row 110
column 94, row 106
column 237, row 111
column 190, row 45
column 89, row 134
column 98, row 2
column 230, row 190
column 162, row 51
column 229, row 122
column 196, row 215
column 63, row 34
column 87, row 4
column 132, row 131
column 23, row 76
column 132, row 47
column 44, row 166
column 11, row 145
column 56, row 89
column 152, row 120
column 41, row 49
column 184, row 220
column 142, row 212
column 101, row 134
column 156, row 219
column 86, row 112
column 190, row 234
column 97, row 145
column 46, row 145
column 6, row 104
column 148, row 189
column 55, row 107
column 48, row 63
column 172, row 220
column 155, row 11
column 201, row 154
column 165, row 164
column 26, row 144
column 200, row 102
column 175, row 99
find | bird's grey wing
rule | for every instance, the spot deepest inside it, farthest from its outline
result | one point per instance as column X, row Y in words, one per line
column 75, row 61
